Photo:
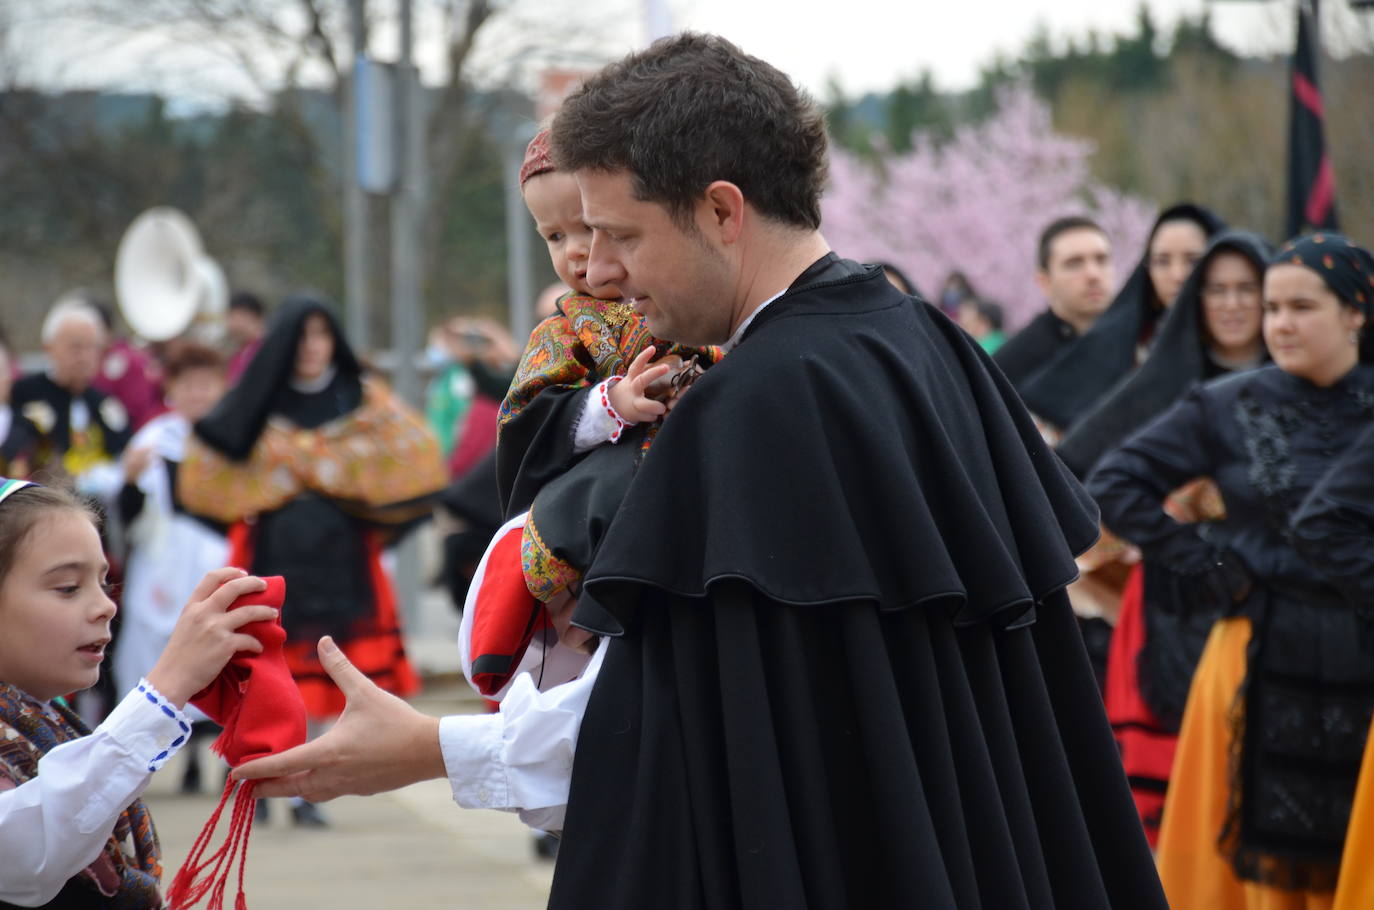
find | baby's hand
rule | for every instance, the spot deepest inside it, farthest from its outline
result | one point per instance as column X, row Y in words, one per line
column 207, row 634
column 630, row 396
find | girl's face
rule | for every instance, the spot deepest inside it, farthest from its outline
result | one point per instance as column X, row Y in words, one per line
column 556, row 204
column 315, row 351
column 1174, row 250
column 54, row 610
column 1309, row 332
column 1231, row 304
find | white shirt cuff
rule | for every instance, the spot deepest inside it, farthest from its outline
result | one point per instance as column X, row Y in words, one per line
column 472, row 748
column 600, row 423
column 148, row 726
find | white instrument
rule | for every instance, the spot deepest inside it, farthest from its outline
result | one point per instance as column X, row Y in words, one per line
column 164, row 281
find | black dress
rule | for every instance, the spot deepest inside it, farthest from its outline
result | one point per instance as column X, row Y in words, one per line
column 844, row 672
column 1266, row 438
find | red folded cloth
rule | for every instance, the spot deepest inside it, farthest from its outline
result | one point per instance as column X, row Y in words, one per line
column 254, row 697
column 256, row 701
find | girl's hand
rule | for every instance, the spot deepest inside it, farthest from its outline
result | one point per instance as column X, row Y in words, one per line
column 630, row 396
column 207, row 634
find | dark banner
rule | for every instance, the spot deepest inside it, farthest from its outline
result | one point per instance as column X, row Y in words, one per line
column 1311, row 182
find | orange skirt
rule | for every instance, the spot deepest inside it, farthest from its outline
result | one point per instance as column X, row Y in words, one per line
column 1355, row 890
column 1195, row 874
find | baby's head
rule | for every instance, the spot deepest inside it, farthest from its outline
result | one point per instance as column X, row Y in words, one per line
column 54, row 612
column 553, row 199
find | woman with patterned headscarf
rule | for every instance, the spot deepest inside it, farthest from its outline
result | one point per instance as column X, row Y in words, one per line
column 315, row 465
column 1278, row 714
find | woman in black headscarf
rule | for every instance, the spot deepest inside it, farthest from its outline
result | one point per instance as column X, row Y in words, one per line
column 1280, row 705
column 315, row 464
column 1212, row 329
column 1066, row 388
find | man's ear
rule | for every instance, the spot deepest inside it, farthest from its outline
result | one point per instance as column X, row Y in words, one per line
column 721, row 211
column 1042, row 281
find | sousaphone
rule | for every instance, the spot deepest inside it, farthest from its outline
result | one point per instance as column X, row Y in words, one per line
column 164, row 281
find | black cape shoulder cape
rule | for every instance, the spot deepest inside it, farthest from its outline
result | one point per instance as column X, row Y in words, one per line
column 861, row 449
column 845, row 674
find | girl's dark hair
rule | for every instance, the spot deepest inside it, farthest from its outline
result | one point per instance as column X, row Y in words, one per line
column 21, row 512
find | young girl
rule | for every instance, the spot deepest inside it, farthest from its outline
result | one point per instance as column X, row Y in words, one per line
column 73, row 832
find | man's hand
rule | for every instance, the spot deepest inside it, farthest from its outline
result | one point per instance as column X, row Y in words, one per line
column 380, row 743
column 631, row 396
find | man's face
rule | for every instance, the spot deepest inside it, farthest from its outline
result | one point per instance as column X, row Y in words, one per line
column 74, row 352
column 1078, row 278
column 682, row 281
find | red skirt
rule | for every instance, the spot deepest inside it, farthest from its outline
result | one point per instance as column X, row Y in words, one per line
column 1147, row 748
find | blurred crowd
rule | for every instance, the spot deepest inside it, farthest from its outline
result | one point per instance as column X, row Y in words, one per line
column 1216, row 400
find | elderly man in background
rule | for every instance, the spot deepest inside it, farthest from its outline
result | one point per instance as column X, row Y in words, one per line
column 81, row 430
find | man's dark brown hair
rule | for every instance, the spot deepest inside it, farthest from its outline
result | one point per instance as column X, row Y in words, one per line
column 1062, row 226
column 693, row 109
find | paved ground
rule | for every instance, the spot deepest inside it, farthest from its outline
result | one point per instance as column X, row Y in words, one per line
column 411, row 848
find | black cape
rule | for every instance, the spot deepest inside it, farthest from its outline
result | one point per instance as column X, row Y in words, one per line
column 1066, row 388
column 1035, row 345
column 845, row 672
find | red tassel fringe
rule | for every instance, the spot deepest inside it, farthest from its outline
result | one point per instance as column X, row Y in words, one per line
column 203, row 875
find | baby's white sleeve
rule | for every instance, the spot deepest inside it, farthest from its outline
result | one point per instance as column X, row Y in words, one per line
column 599, row 422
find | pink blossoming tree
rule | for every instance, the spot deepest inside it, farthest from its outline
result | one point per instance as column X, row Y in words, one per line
column 977, row 203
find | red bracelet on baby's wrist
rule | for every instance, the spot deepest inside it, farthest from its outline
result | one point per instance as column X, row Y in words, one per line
column 620, row 422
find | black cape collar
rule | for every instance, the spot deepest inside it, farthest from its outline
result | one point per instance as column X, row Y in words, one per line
column 828, row 271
